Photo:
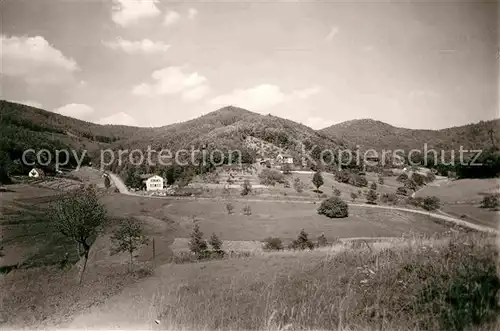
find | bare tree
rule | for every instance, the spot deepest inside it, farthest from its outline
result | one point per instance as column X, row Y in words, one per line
column 129, row 237
column 80, row 217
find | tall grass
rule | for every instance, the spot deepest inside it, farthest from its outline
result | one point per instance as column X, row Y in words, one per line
column 450, row 286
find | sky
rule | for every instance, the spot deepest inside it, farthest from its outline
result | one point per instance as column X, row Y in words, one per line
column 413, row 64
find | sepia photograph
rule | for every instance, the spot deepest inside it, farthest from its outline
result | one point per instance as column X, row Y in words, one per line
column 250, row 165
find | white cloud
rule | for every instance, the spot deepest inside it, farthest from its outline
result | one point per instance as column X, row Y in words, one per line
column 35, row 60
column 171, row 18
column 144, row 46
column 128, row 12
column 256, row 98
column 172, row 80
column 196, row 93
column 192, row 13
column 262, row 97
column 75, row 110
column 333, row 32
column 28, row 103
column 118, row 119
column 307, row 92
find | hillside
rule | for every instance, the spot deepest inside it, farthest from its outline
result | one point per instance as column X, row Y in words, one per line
column 228, row 128
column 24, row 127
column 369, row 133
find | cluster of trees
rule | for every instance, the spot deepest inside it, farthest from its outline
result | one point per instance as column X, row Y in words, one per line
column 203, row 249
column 302, row 242
column 351, row 177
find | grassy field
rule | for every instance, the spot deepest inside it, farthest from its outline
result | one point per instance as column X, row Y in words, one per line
column 284, row 220
column 461, row 198
column 346, row 289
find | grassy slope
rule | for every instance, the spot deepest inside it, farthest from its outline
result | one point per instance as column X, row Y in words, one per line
column 344, row 290
column 462, row 198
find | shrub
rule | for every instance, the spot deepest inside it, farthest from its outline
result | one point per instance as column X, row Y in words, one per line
column 273, row 244
column 317, row 180
column 373, row 186
column 371, row 197
column 216, row 245
column 322, row 241
column 402, row 178
column 430, row 177
column 246, row 187
column 402, row 191
column 336, row 192
column 247, row 210
column 271, row 177
column 354, row 196
column 343, row 176
column 381, row 180
column 410, row 184
column 358, row 180
column 198, row 244
column 431, row 203
column 418, row 179
column 287, row 169
column 334, row 208
column 229, row 208
column 491, row 201
column 389, row 198
column 302, row 242
column 298, row 185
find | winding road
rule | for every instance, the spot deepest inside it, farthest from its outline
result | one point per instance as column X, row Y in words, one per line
column 456, row 221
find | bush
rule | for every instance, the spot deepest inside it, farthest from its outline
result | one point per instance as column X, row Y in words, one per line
column 302, row 242
column 354, row 196
column 336, row 192
column 431, row 203
column 322, row 241
column 491, row 201
column 334, row 208
column 343, row 176
column 229, row 208
column 389, row 198
column 247, row 211
column 381, row 180
column 418, row 179
column 430, row 177
column 373, row 186
column 271, row 177
column 371, row 197
column 246, row 188
column 317, row 180
column 402, row 178
column 298, row 185
column 410, row 184
column 273, row 244
column 287, row 169
column 358, row 180
column 402, row 191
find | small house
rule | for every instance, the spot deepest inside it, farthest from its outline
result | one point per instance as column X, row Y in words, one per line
column 284, row 159
column 152, row 182
column 36, row 173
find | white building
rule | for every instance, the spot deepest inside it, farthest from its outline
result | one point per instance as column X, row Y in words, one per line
column 153, row 183
column 35, row 173
column 284, row 158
